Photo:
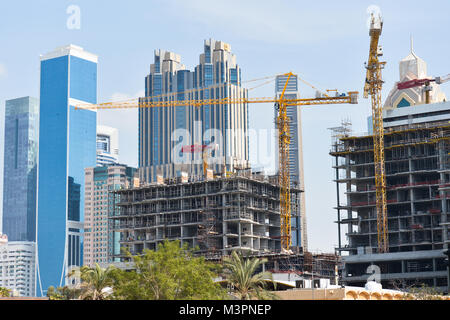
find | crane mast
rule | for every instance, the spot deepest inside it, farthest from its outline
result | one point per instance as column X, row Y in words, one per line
column 284, row 140
column 372, row 87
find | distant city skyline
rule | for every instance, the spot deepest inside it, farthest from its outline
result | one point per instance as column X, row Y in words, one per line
column 326, row 45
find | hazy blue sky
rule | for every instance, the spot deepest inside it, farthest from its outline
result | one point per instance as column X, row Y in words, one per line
column 325, row 42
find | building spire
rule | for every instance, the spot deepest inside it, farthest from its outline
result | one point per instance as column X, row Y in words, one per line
column 412, row 47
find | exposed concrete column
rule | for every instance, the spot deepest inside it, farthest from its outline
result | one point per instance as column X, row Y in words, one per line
column 251, row 232
column 411, row 193
column 348, row 187
column 225, row 224
column 182, row 232
column 225, row 230
column 434, row 269
column 443, row 193
column 444, row 218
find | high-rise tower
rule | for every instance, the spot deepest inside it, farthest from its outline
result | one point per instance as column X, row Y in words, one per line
column 101, row 242
column 20, row 161
column 67, row 145
column 163, row 132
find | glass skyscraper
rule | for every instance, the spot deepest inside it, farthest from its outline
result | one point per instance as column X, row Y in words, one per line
column 20, row 159
column 67, row 145
column 163, row 132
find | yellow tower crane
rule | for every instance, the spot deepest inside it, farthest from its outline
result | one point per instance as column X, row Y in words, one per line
column 372, row 87
column 283, row 129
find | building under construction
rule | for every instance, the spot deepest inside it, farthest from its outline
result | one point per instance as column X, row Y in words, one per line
column 216, row 216
column 417, row 147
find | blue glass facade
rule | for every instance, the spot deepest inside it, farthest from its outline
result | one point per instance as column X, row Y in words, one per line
column 20, row 161
column 67, row 145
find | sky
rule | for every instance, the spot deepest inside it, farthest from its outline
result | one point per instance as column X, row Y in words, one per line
column 326, row 43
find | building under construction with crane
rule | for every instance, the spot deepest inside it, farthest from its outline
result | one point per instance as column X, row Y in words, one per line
column 213, row 201
column 216, row 215
column 403, row 244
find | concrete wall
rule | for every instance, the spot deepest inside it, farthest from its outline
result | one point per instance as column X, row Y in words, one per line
column 348, row 293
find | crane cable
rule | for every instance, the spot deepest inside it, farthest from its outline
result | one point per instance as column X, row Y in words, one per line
column 271, row 79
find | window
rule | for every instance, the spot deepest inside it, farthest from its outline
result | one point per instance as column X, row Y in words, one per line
column 403, row 103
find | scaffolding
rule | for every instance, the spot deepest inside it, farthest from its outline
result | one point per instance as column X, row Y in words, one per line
column 209, row 231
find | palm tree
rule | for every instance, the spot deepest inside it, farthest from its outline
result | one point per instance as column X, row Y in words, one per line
column 241, row 274
column 96, row 283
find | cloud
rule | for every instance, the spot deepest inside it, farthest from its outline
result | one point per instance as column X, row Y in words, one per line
column 3, row 70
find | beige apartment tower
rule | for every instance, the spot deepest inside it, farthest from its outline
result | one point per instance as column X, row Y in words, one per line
column 100, row 241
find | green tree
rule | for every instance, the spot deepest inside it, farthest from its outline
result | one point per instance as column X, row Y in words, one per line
column 63, row 293
column 423, row 293
column 4, row 292
column 169, row 273
column 95, row 284
column 240, row 274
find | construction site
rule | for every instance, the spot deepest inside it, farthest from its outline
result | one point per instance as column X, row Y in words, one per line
column 395, row 178
column 416, row 160
column 228, row 207
column 216, row 216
